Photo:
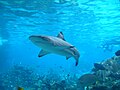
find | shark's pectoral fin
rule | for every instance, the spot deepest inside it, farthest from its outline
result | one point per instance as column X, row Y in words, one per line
column 43, row 53
column 67, row 57
column 61, row 36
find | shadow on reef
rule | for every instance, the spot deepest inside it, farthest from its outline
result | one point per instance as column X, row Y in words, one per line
column 104, row 76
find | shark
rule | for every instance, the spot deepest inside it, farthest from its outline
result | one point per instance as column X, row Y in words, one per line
column 55, row 44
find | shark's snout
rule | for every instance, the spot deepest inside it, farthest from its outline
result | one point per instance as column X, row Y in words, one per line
column 40, row 38
column 33, row 37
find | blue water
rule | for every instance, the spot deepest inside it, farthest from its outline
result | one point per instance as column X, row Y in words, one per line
column 86, row 24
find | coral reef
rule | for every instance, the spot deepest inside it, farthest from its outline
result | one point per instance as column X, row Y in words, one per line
column 30, row 80
column 109, row 79
column 104, row 76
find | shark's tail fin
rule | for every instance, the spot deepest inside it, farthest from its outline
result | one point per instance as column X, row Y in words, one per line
column 77, row 60
column 76, row 63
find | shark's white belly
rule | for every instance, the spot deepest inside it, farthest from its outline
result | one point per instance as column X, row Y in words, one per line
column 54, row 49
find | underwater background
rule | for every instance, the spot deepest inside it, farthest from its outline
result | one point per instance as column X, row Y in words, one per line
column 92, row 26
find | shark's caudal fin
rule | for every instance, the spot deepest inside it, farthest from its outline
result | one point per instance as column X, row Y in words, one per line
column 42, row 53
column 77, row 60
column 76, row 63
column 61, row 36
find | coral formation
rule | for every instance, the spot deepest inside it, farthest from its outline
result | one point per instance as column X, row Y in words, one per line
column 106, row 77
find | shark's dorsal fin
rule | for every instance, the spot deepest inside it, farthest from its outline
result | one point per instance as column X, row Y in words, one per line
column 42, row 53
column 61, row 36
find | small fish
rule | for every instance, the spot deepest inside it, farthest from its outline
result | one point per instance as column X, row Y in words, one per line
column 99, row 66
column 117, row 53
column 20, row 88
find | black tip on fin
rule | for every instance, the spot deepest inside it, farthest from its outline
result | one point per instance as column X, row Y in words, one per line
column 67, row 57
column 76, row 63
column 40, row 55
column 72, row 46
column 61, row 36
column 61, row 32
